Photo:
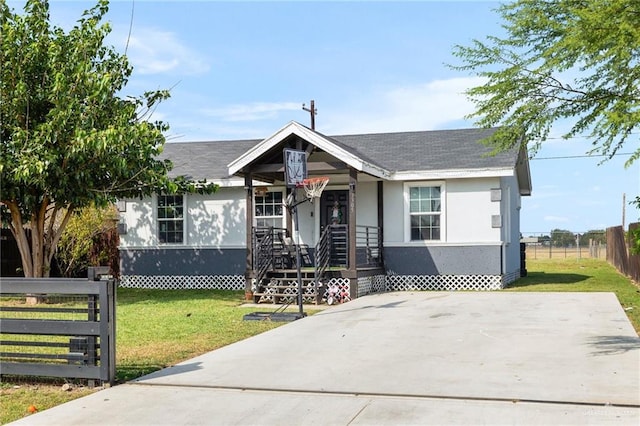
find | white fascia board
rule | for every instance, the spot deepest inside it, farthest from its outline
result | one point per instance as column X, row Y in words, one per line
column 250, row 156
column 313, row 138
column 236, row 182
column 451, row 174
column 524, row 172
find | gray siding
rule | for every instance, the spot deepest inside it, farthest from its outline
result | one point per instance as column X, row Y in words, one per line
column 431, row 260
column 444, row 260
column 186, row 261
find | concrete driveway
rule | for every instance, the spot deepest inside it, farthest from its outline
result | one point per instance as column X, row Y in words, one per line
column 401, row 358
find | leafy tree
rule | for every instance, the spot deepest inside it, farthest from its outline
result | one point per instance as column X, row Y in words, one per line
column 634, row 240
column 68, row 139
column 88, row 240
column 562, row 238
column 598, row 236
column 560, row 59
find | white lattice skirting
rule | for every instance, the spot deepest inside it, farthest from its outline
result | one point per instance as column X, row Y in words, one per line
column 443, row 282
column 366, row 285
column 183, row 282
column 286, row 295
column 372, row 284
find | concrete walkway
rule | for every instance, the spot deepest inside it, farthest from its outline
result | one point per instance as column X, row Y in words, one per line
column 400, row 358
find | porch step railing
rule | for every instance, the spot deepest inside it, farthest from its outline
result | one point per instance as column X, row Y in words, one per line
column 265, row 246
column 332, row 250
column 339, row 245
column 322, row 255
column 368, row 246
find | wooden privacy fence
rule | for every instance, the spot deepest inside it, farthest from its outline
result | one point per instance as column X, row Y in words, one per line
column 69, row 333
column 618, row 253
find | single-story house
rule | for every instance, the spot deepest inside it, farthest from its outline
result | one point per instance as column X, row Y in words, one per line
column 422, row 210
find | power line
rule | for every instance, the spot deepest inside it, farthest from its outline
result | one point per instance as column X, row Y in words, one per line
column 580, row 156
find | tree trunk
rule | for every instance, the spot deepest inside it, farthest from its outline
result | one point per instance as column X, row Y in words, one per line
column 20, row 234
column 36, row 257
column 37, row 240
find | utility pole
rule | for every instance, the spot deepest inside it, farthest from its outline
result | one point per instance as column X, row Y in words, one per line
column 313, row 111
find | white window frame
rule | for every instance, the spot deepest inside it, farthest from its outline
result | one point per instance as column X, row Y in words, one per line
column 407, row 210
column 184, row 219
column 281, row 218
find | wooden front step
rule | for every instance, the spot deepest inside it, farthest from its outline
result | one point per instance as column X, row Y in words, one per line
column 282, row 287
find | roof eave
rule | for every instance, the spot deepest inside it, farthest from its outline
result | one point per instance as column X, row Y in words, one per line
column 451, row 174
column 524, row 172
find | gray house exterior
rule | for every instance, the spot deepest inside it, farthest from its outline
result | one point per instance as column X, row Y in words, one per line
column 445, row 213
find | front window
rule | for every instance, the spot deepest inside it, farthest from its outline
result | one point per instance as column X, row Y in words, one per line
column 269, row 209
column 425, row 210
column 171, row 219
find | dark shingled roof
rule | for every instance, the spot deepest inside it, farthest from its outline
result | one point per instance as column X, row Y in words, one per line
column 395, row 152
column 205, row 160
column 428, row 150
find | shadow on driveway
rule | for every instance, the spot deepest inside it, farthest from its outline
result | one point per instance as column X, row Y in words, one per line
column 614, row 345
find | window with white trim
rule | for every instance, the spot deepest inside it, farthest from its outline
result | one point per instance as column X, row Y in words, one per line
column 425, row 212
column 269, row 209
column 171, row 219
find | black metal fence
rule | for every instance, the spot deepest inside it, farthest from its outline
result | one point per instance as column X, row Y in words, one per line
column 58, row 327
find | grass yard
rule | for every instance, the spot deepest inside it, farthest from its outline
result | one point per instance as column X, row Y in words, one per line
column 155, row 329
column 159, row 328
column 583, row 275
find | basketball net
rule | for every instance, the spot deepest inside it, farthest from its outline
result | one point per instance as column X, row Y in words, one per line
column 314, row 186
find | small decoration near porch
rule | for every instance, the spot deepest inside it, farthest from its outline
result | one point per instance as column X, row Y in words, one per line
column 336, row 214
column 261, row 191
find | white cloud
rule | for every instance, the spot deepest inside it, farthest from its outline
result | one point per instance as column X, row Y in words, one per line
column 424, row 106
column 153, row 51
column 252, row 111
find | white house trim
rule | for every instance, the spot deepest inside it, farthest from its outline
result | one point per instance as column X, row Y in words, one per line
column 443, row 212
column 438, row 243
column 184, row 246
column 451, row 174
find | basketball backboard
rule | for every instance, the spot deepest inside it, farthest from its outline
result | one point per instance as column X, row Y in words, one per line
column 295, row 167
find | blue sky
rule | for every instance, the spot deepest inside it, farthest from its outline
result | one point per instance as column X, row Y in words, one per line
column 242, row 70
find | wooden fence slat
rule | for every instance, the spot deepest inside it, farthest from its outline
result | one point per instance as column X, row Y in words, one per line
column 618, row 253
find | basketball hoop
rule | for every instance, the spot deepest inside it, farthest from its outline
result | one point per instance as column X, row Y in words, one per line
column 314, row 186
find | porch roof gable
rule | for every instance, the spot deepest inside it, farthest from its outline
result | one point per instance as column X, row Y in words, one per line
column 325, row 143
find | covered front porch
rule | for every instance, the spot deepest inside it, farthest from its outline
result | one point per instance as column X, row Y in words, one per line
column 329, row 271
column 336, row 243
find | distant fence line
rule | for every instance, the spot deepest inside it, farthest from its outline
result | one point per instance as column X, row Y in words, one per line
column 619, row 254
column 565, row 244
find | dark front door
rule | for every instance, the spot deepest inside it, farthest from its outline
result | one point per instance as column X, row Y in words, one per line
column 333, row 208
column 334, row 211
